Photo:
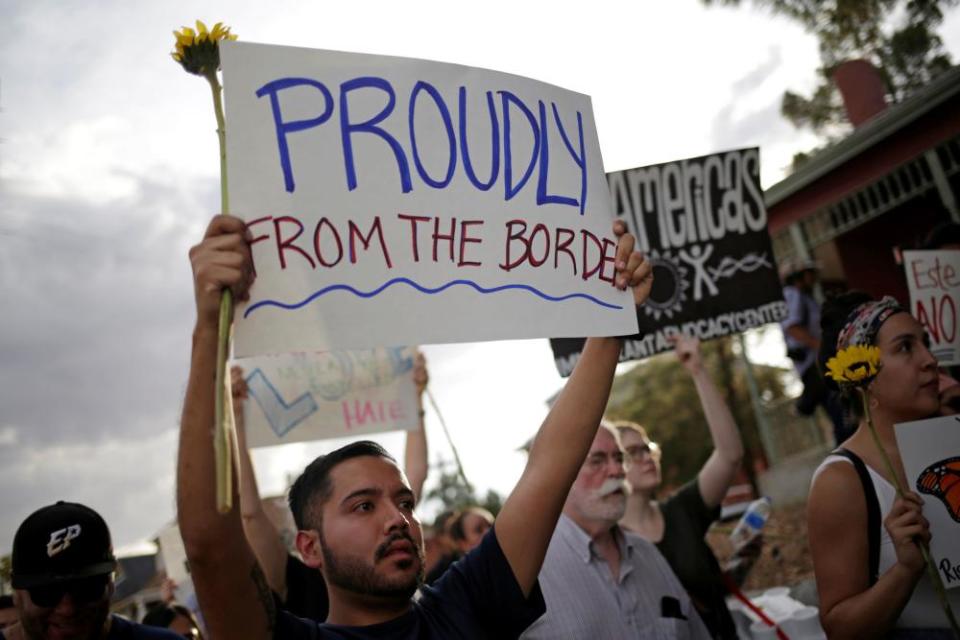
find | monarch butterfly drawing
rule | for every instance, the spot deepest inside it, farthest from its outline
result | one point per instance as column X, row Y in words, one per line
column 942, row 479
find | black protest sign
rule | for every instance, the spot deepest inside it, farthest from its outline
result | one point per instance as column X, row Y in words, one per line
column 702, row 224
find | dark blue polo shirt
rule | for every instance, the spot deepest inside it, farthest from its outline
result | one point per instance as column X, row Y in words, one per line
column 478, row 597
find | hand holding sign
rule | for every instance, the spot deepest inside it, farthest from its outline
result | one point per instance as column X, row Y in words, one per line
column 631, row 267
column 702, row 225
column 420, row 375
column 221, row 260
column 907, row 526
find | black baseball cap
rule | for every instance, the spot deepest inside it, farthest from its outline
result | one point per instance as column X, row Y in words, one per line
column 61, row 542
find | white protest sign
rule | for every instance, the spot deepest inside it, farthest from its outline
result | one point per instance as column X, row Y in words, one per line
column 930, row 450
column 174, row 555
column 300, row 397
column 401, row 201
column 933, row 278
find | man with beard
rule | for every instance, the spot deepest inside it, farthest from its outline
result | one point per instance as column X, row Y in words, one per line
column 354, row 506
column 62, row 575
column 600, row 581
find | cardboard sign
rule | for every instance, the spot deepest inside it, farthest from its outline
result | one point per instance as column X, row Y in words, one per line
column 933, row 278
column 702, row 224
column 399, row 201
column 300, row 397
column 930, row 450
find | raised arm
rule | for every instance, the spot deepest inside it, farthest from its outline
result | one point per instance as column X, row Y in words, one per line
column 234, row 596
column 721, row 467
column 529, row 516
column 263, row 536
column 415, row 453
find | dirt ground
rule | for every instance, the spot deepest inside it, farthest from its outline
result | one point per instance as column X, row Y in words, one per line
column 785, row 557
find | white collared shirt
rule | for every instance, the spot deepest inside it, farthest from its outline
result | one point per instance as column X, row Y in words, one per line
column 584, row 601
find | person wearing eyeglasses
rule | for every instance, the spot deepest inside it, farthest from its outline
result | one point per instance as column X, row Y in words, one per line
column 678, row 524
column 599, row 580
column 62, row 575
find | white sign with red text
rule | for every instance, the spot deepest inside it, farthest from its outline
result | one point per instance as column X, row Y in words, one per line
column 401, row 201
column 300, row 397
column 933, row 278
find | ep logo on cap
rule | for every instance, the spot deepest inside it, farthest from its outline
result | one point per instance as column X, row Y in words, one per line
column 60, row 539
column 59, row 543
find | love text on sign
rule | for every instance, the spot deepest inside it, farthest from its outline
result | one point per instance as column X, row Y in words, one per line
column 300, row 397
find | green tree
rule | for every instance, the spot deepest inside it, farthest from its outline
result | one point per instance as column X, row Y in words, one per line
column 659, row 394
column 6, row 571
column 453, row 493
column 897, row 36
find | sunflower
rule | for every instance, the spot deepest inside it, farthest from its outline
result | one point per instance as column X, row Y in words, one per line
column 198, row 51
column 857, row 365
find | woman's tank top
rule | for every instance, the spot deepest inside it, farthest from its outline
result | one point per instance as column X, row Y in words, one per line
column 923, row 609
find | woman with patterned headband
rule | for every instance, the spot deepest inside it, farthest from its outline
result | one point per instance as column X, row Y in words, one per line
column 870, row 572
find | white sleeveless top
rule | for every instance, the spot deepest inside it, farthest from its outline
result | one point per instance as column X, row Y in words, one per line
column 923, row 608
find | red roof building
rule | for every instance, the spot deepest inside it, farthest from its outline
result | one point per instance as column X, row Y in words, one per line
column 883, row 187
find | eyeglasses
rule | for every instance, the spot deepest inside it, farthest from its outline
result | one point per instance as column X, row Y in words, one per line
column 640, row 451
column 82, row 591
column 599, row 460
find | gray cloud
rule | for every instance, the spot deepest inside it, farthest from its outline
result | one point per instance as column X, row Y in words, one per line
column 95, row 341
column 732, row 128
column 759, row 74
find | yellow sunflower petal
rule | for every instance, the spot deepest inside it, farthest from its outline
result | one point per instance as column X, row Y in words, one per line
column 855, row 364
column 197, row 50
column 185, row 37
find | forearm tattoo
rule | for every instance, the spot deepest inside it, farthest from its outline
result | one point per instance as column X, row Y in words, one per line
column 265, row 595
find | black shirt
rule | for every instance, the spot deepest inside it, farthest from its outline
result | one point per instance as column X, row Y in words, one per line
column 306, row 591
column 478, row 597
column 122, row 629
column 441, row 567
column 685, row 522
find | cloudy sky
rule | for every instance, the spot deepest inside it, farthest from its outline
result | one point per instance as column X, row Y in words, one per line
column 108, row 174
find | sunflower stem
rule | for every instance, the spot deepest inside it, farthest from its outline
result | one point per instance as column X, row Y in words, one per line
column 932, row 572
column 224, row 430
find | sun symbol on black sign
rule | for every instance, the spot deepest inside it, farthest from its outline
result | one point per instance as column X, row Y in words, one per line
column 670, row 285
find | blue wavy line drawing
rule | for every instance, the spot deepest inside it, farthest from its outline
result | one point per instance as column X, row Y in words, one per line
column 422, row 289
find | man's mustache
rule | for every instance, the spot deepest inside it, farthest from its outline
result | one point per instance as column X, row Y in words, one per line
column 612, row 485
column 382, row 549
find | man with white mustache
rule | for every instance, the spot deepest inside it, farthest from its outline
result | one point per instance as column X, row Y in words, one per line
column 600, row 581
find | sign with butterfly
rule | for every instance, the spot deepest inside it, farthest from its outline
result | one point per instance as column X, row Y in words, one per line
column 702, row 224
column 930, row 450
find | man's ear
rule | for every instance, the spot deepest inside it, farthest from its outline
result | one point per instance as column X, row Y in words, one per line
column 308, row 544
